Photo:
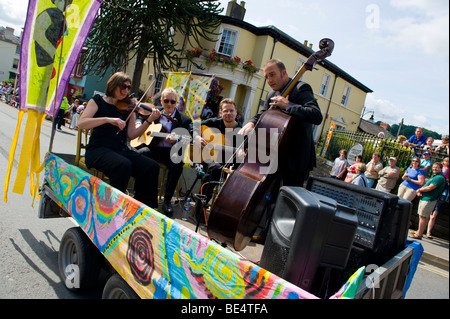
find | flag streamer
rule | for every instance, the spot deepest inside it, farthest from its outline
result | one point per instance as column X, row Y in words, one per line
column 193, row 88
column 53, row 37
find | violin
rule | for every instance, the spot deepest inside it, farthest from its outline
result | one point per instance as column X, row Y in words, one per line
column 240, row 204
column 128, row 106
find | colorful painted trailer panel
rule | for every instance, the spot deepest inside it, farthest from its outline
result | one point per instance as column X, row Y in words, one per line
column 157, row 256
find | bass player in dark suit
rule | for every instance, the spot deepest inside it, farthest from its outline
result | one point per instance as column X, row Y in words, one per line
column 160, row 151
column 302, row 106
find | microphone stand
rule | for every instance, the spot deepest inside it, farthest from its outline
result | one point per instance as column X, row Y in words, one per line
column 199, row 176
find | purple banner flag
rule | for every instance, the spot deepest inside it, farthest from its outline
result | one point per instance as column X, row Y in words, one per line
column 54, row 35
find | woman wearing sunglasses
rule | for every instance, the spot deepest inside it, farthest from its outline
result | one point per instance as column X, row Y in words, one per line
column 160, row 151
column 108, row 149
column 413, row 179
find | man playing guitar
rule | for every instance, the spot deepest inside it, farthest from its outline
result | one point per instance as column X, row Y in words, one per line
column 160, row 152
column 225, row 124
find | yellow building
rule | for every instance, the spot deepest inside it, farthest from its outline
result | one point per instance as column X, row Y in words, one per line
column 340, row 96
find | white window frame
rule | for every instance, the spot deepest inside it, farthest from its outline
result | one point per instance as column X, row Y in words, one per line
column 171, row 34
column 346, row 95
column 326, row 79
column 158, row 83
column 219, row 42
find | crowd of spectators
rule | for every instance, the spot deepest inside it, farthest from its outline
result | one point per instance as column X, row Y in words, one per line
column 423, row 179
column 8, row 94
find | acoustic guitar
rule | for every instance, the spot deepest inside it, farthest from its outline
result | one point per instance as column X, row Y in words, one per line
column 217, row 149
column 153, row 134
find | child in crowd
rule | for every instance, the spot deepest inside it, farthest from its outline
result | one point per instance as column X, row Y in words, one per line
column 339, row 169
column 445, row 169
column 425, row 163
column 429, row 145
column 351, row 170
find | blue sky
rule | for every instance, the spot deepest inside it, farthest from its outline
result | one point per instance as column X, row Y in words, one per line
column 398, row 48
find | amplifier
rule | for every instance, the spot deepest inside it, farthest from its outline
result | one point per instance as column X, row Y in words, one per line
column 375, row 210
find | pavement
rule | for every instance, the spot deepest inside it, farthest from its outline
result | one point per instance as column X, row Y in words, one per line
column 435, row 252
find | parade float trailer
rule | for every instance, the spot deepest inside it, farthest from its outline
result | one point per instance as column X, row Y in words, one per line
column 152, row 256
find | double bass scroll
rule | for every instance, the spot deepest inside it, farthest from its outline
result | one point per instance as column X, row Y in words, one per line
column 326, row 47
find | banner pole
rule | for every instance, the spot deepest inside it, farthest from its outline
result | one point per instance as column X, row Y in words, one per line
column 52, row 136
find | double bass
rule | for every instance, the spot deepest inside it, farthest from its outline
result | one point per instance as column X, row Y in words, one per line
column 241, row 202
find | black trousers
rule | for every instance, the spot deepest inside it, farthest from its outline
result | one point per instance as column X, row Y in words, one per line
column 120, row 166
column 59, row 119
column 162, row 155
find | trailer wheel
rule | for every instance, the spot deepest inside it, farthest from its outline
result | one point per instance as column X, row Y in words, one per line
column 117, row 288
column 79, row 261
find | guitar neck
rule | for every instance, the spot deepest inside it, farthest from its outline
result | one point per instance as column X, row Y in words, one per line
column 159, row 134
column 219, row 147
column 174, row 136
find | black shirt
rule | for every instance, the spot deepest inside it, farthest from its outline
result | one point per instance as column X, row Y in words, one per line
column 108, row 135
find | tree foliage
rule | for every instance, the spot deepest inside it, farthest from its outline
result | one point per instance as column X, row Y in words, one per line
column 125, row 30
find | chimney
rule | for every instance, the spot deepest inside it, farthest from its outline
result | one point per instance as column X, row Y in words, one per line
column 235, row 10
column 9, row 33
column 305, row 43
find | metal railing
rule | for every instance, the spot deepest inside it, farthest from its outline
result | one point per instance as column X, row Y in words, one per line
column 387, row 147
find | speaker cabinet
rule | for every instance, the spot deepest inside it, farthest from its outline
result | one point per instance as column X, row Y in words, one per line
column 309, row 235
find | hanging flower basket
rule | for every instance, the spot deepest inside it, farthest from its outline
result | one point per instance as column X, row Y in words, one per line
column 249, row 67
column 194, row 53
column 214, row 57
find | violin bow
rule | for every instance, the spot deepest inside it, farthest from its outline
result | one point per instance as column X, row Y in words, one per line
column 140, row 100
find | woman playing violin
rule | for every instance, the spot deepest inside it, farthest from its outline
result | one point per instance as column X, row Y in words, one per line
column 108, row 149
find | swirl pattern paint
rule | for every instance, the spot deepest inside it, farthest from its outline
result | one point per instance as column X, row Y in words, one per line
column 158, row 257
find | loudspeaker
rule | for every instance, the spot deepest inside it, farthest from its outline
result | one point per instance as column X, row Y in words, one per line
column 309, row 235
column 400, row 226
